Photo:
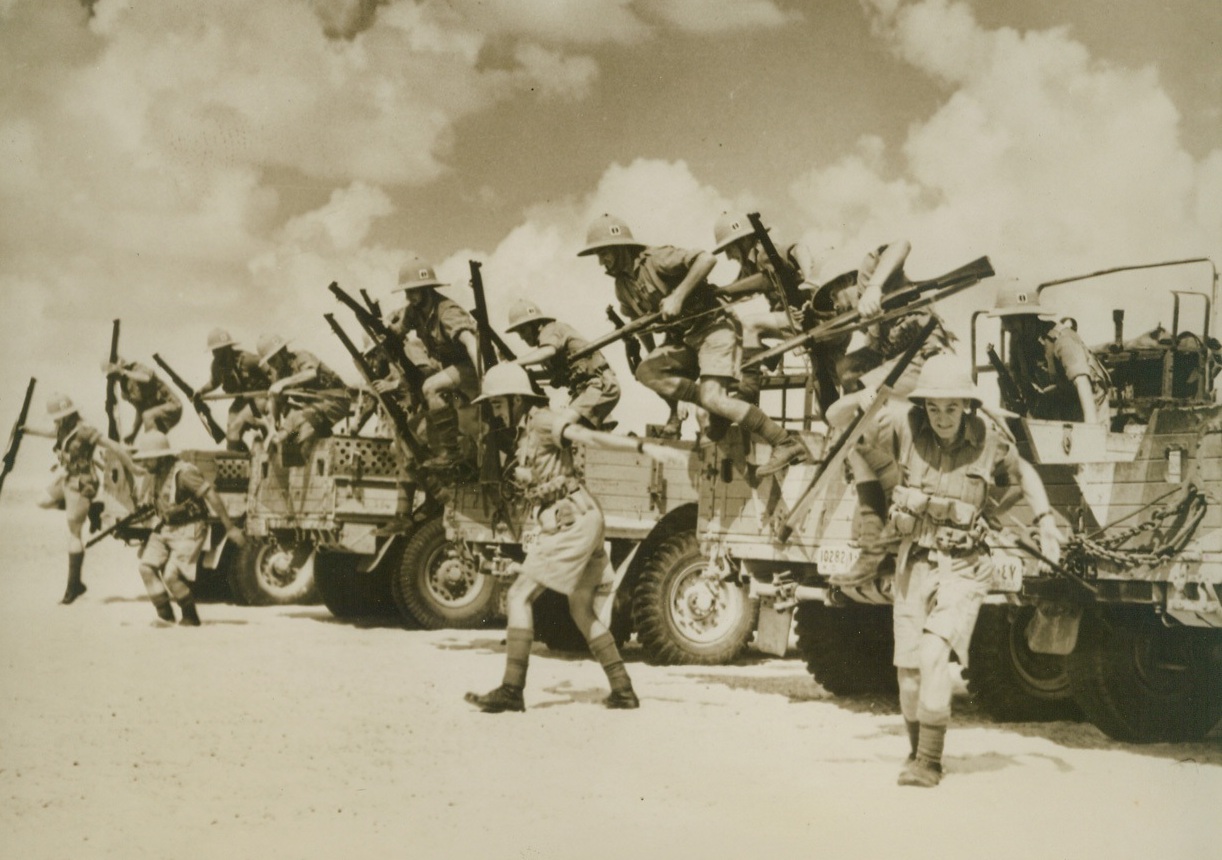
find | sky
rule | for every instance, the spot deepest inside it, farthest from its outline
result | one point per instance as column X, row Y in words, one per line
column 182, row 166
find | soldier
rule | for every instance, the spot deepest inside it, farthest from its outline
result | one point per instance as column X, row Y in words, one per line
column 323, row 399
column 179, row 493
column 704, row 357
column 592, row 385
column 734, row 236
column 76, row 483
column 157, row 407
column 1056, row 374
column 449, row 334
column 949, row 455
column 568, row 554
column 389, row 381
column 235, row 371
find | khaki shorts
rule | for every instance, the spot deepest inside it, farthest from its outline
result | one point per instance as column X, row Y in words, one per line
column 714, row 351
column 179, row 545
column 569, row 549
column 942, row 599
column 83, row 485
column 594, row 399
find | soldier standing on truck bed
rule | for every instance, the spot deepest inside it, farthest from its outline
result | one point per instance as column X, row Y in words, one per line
column 157, row 407
column 703, row 354
column 180, row 497
column 1057, row 376
column 568, row 554
column 449, row 334
column 949, row 455
column 323, row 399
column 76, row 481
column 592, row 385
column 235, row 371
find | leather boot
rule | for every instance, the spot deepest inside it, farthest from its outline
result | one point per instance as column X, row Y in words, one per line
column 444, row 443
column 784, row 455
column 76, row 588
column 504, row 698
column 190, row 618
column 165, row 610
column 622, row 700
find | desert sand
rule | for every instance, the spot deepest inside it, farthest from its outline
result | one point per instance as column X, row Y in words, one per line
column 282, row 732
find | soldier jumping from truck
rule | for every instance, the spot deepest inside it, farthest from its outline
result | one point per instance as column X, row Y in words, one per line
column 157, row 407
column 235, row 371
column 306, row 398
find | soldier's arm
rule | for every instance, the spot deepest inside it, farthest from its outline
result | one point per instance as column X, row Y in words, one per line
column 467, row 339
column 1086, row 396
column 214, row 500
column 1037, row 498
column 566, row 432
column 890, row 261
column 309, row 374
column 538, row 355
column 697, row 272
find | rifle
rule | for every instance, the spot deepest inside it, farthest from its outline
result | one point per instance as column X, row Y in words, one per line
column 18, row 432
column 201, row 408
column 744, row 286
column 632, row 345
column 843, row 445
column 1011, row 395
column 375, row 307
column 382, row 336
column 785, row 276
column 143, row 512
column 112, row 393
column 490, row 343
column 917, row 295
column 305, row 393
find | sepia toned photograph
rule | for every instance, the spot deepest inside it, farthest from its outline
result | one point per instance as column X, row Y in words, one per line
column 610, row 429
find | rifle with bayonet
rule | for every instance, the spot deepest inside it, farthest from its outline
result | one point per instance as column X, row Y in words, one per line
column 201, row 408
column 916, row 295
column 632, row 344
column 1007, row 386
column 490, row 343
column 139, row 515
column 112, row 386
column 18, row 432
column 383, row 337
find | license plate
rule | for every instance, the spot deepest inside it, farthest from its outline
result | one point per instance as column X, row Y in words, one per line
column 1007, row 573
column 836, row 559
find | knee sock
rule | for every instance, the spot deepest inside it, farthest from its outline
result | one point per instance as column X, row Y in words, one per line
column 517, row 656
column 761, row 425
column 603, row 648
column 929, row 747
column 687, row 391
column 914, row 735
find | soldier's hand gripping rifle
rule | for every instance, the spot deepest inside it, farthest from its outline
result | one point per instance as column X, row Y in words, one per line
column 839, row 451
column 382, row 336
column 785, row 276
column 139, row 515
column 632, row 344
column 112, row 386
column 917, row 295
column 201, row 408
column 14, row 439
column 1007, row 386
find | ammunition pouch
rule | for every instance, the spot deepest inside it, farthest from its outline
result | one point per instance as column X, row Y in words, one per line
column 553, row 490
column 190, row 511
column 936, row 522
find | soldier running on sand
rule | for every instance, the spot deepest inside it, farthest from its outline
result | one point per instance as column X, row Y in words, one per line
column 235, row 371
column 568, row 554
column 949, row 455
column 76, row 482
column 592, row 385
column 180, row 497
column 312, row 414
column 702, row 357
column 157, row 407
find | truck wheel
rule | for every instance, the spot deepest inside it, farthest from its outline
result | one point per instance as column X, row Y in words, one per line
column 270, row 573
column 1009, row 680
column 438, row 588
column 1141, row 682
column 349, row 593
column 684, row 615
column 848, row 649
column 554, row 625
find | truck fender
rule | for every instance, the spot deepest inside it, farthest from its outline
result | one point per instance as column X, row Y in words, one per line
column 1053, row 628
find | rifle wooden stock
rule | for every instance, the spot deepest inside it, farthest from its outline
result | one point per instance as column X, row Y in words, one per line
column 201, row 408
column 1011, row 395
column 17, row 433
column 112, row 392
column 138, row 515
column 383, row 337
column 842, row 446
column 913, row 297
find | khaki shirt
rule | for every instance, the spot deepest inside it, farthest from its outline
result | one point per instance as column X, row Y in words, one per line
column 545, row 463
column 655, row 274
column 74, row 448
column 566, row 340
column 757, row 261
column 438, row 325
column 146, row 395
column 243, row 374
column 1065, row 357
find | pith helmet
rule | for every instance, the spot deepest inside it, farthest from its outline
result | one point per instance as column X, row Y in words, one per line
column 1015, row 299
column 729, row 229
column 607, row 231
column 502, row 380
column 153, row 445
column 945, row 377
column 218, row 338
column 60, row 406
column 416, row 274
column 524, row 311
column 269, row 345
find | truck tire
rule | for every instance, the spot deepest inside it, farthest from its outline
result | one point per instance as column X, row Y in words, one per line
column 268, row 573
column 848, row 649
column 437, row 588
column 684, row 617
column 1009, row 680
column 1141, row 682
column 554, row 625
column 349, row 593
